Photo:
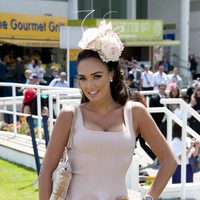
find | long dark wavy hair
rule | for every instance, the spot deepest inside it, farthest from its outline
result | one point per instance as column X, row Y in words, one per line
column 118, row 88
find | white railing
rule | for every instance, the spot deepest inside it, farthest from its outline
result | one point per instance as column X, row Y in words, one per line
column 185, row 129
column 15, row 100
column 60, row 100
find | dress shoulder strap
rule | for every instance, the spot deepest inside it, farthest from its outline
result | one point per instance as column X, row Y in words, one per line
column 129, row 116
column 72, row 130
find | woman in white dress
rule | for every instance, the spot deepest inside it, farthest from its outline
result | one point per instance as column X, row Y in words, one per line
column 105, row 129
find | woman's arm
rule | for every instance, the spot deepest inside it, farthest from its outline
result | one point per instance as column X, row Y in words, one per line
column 143, row 123
column 188, row 152
column 193, row 102
column 197, row 149
column 54, row 151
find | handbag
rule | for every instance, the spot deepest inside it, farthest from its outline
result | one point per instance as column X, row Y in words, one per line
column 195, row 163
column 62, row 175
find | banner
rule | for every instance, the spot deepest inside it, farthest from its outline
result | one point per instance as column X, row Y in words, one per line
column 30, row 26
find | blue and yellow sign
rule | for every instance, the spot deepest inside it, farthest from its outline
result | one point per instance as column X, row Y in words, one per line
column 30, row 26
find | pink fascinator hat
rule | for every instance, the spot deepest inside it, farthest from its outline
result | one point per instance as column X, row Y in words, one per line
column 104, row 40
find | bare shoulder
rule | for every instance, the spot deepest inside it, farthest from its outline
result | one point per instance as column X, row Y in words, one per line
column 139, row 114
column 66, row 111
column 63, row 122
column 65, row 117
column 139, row 111
column 137, row 107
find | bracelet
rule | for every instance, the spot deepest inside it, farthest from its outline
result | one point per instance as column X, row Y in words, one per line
column 148, row 197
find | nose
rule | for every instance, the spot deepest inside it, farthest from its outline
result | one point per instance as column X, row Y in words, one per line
column 90, row 84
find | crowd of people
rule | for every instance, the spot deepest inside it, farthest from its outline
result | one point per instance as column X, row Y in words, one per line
column 193, row 146
column 30, row 95
column 143, row 78
column 168, row 84
column 18, row 70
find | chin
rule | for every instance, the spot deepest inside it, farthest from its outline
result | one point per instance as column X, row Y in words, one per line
column 94, row 99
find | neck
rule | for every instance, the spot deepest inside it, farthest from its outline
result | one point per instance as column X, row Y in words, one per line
column 103, row 107
column 161, row 94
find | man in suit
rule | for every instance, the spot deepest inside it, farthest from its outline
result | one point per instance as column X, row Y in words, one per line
column 159, row 118
column 134, row 77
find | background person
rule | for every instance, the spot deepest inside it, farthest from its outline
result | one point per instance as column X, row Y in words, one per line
column 147, row 79
column 105, row 121
column 159, row 118
column 175, row 78
column 33, row 79
column 159, row 77
column 134, row 77
column 174, row 92
column 54, row 74
column 19, row 70
column 177, row 148
column 193, row 66
column 61, row 81
column 27, row 75
column 31, row 65
column 30, row 103
column 40, row 71
column 195, row 104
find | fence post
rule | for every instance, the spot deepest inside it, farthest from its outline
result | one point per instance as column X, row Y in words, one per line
column 169, row 128
column 46, row 131
column 57, row 104
column 35, row 149
column 14, row 110
column 39, row 115
column 183, row 155
column 51, row 108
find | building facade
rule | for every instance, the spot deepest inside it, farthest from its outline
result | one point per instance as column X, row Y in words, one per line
column 169, row 11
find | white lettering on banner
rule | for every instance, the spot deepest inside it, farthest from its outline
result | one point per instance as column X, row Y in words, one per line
column 136, row 27
column 145, row 26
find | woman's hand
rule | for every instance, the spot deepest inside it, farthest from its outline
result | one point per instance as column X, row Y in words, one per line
column 193, row 102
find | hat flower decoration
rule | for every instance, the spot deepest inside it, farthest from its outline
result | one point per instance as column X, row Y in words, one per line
column 103, row 40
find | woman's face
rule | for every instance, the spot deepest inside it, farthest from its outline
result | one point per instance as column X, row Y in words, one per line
column 94, row 79
column 198, row 92
column 175, row 92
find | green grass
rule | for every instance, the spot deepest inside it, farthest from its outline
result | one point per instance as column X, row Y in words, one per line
column 16, row 182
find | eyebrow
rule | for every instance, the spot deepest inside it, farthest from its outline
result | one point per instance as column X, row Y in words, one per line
column 98, row 72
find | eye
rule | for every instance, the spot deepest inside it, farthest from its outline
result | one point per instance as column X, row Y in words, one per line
column 97, row 76
column 81, row 78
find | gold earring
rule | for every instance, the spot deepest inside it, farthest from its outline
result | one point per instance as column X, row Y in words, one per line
column 111, row 80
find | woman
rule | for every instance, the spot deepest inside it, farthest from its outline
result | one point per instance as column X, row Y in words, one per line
column 106, row 127
column 177, row 148
column 195, row 104
column 174, row 92
column 30, row 102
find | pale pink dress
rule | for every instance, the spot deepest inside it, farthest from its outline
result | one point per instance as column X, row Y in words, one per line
column 100, row 160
